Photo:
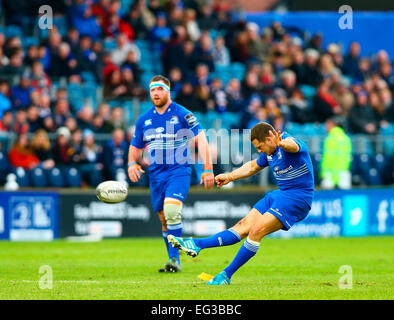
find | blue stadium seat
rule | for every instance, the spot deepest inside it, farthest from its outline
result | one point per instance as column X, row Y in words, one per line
column 21, row 177
column 379, row 162
column 109, row 44
column 30, row 41
column 294, row 128
column 308, row 91
column 38, row 178
column 72, row 177
column 13, row 31
column 55, row 178
column 374, row 178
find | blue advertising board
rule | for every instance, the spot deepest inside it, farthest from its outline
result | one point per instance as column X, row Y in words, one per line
column 29, row 216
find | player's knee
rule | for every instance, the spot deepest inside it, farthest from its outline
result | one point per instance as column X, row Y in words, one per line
column 242, row 227
column 258, row 232
column 172, row 213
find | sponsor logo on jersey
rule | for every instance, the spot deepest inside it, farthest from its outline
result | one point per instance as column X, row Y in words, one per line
column 190, row 119
column 174, row 120
column 159, row 129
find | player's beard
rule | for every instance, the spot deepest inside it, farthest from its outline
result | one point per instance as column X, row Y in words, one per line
column 161, row 103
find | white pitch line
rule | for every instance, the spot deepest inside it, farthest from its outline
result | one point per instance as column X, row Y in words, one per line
column 94, row 281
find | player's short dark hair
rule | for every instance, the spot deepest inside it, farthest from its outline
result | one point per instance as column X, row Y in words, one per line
column 261, row 131
column 159, row 77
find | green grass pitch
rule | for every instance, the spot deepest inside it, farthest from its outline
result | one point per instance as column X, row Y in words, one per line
column 127, row 269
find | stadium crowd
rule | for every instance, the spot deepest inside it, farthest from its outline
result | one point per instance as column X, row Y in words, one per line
column 216, row 63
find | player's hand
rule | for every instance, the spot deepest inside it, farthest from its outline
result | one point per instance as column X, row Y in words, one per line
column 223, row 179
column 276, row 138
column 208, row 179
column 134, row 172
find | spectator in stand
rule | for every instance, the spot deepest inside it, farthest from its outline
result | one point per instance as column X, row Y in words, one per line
column 87, row 59
column 267, row 78
column 204, row 51
column 120, row 53
column 33, row 118
column 135, row 19
column 113, row 86
column 5, row 102
column 75, row 150
column 234, row 95
column 15, row 66
column 251, row 85
column 207, row 21
column 115, row 154
column 312, row 76
column 6, row 121
column 289, row 82
column 116, row 25
column 201, row 76
column 64, row 63
column 20, row 94
column 219, row 95
column 344, row 97
column 187, row 97
column 48, row 124
column 191, row 24
column 327, row 67
column 89, row 166
column 259, row 115
column 116, row 120
column 32, row 54
column 72, row 39
column 160, row 33
column 71, row 124
column 131, row 62
column 84, row 117
column 44, row 105
column 361, row 117
column 175, row 77
column 21, row 154
column 239, row 49
column 21, row 125
column 256, row 47
column 174, row 55
column 271, row 108
column 324, row 104
column 98, row 124
column 82, row 19
column 41, row 147
column 133, row 88
column 39, row 79
column 62, row 149
column 61, row 112
column 351, row 60
column 386, row 98
column 221, row 55
column 204, row 98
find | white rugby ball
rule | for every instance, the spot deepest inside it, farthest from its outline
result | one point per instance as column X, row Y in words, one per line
column 111, row 191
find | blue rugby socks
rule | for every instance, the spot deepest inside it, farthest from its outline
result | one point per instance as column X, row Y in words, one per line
column 164, row 233
column 175, row 230
column 247, row 251
column 224, row 238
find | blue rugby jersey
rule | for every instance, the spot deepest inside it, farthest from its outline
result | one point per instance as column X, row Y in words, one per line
column 292, row 171
column 167, row 137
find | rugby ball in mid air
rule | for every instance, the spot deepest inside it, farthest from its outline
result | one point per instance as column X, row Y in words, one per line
column 111, row 191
